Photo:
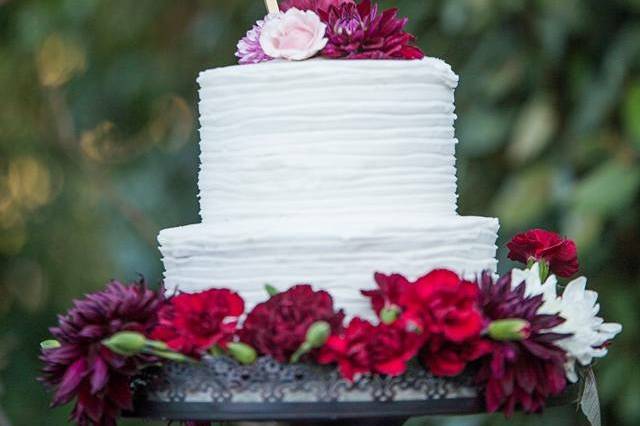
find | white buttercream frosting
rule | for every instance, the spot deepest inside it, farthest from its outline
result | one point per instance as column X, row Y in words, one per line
column 325, row 137
column 324, row 172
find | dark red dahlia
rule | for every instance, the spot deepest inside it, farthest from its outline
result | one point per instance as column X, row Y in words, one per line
column 279, row 326
column 85, row 370
column 390, row 290
column 314, row 5
column 360, row 32
column 365, row 348
column 194, row 323
column 520, row 373
column 446, row 306
column 539, row 245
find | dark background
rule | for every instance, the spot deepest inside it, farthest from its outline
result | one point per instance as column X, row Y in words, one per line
column 98, row 151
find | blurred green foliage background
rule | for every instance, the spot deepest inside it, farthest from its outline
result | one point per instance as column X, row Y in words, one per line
column 98, row 151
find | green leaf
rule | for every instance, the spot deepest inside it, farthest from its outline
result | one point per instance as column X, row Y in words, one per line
column 609, row 188
column 584, row 228
column 629, row 407
column 524, row 198
column 482, row 131
column 533, row 130
column 631, row 114
column 271, row 290
column 49, row 344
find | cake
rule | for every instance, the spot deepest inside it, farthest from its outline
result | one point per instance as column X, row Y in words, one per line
column 323, row 172
column 323, row 178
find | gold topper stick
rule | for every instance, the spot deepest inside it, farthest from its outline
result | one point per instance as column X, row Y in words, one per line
column 272, row 6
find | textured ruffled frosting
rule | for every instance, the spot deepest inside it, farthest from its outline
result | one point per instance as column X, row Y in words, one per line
column 324, row 172
column 325, row 137
column 340, row 259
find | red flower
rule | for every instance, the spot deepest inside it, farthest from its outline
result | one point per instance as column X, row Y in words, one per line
column 194, row 323
column 445, row 305
column 279, row 326
column 445, row 308
column 540, row 245
column 84, row 369
column 446, row 359
column 365, row 348
column 359, row 32
column 520, row 373
column 389, row 293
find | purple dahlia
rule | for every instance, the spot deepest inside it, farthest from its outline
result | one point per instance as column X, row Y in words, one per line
column 249, row 49
column 522, row 372
column 360, row 32
column 83, row 369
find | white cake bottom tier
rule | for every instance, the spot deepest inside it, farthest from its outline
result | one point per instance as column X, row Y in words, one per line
column 198, row 257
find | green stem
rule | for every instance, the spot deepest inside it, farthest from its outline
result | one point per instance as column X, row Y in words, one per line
column 304, row 349
column 544, row 270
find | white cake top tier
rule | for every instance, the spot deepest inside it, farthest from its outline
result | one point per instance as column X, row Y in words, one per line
column 327, row 141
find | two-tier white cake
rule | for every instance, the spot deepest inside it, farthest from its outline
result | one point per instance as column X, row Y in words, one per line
column 324, row 172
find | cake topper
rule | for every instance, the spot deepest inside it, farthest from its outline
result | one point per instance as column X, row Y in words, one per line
column 272, row 6
column 297, row 30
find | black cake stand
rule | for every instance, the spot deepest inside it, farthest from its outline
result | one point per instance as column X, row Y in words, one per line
column 220, row 390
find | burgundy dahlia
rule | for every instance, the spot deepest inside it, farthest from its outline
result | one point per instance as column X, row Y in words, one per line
column 279, row 326
column 523, row 372
column 313, row 5
column 360, row 32
column 85, row 370
column 538, row 245
column 194, row 323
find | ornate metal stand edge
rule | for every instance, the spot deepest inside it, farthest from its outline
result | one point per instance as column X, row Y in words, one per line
column 220, row 389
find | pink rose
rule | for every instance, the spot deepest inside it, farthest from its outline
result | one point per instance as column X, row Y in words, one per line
column 294, row 35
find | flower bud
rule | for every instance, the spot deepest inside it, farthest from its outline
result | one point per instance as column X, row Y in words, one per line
column 126, row 343
column 512, row 329
column 49, row 344
column 242, row 353
column 318, row 334
column 389, row 315
column 171, row 356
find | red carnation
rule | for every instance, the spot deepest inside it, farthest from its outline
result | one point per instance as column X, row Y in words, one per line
column 194, row 323
column 360, row 32
column 85, row 370
column 447, row 359
column 389, row 293
column 445, row 305
column 365, row 348
column 279, row 326
column 540, row 245
column 446, row 308
column 523, row 372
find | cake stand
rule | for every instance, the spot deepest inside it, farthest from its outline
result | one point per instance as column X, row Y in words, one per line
column 219, row 389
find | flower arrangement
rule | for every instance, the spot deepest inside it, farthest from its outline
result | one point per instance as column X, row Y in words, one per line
column 333, row 29
column 521, row 339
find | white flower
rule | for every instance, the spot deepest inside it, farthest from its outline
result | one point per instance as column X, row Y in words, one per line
column 579, row 307
column 294, row 35
column 534, row 287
